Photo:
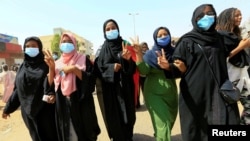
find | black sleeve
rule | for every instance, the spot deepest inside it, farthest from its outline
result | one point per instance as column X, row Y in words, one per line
column 87, row 84
column 12, row 104
column 48, row 90
column 128, row 66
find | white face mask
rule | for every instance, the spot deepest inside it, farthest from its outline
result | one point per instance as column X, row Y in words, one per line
column 32, row 51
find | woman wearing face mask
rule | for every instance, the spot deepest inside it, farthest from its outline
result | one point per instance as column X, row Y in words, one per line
column 38, row 116
column 144, row 48
column 200, row 103
column 160, row 93
column 115, row 68
column 72, row 80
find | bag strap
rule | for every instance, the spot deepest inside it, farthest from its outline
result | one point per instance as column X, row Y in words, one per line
column 209, row 65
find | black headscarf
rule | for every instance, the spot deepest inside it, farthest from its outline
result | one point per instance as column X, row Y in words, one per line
column 30, row 78
column 110, row 48
column 151, row 57
column 33, row 61
column 198, row 35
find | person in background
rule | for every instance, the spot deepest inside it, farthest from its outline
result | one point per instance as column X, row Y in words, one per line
column 245, row 116
column 245, row 29
column 1, row 67
column 55, row 55
column 116, row 70
column 245, row 33
column 38, row 116
column 228, row 23
column 144, row 48
column 160, row 93
column 71, row 78
column 7, row 77
column 15, row 68
column 173, row 43
column 200, row 103
column 88, row 56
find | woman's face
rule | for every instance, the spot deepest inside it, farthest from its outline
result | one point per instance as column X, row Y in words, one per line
column 110, row 26
column 237, row 17
column 66, row 39
column 162, row 33
column 208, row 10
column 32, row 44
column 144, row 47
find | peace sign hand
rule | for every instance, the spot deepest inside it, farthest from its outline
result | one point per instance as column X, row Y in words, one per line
column 136, row 45
column 49, row 59
column 137, row 49
column 125, row 52
column 162, row 61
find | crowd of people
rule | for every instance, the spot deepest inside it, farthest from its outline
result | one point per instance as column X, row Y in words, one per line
column 55, row 93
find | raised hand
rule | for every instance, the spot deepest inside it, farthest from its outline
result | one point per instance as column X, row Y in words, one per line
column 49, row 59
column 125, row 51
column 136, row 45
column 162, row 60
column 137, row 49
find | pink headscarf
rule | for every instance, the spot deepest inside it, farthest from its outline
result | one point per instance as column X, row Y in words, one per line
column 68, row 82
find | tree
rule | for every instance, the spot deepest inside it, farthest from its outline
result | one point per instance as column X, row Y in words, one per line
column 55, row 44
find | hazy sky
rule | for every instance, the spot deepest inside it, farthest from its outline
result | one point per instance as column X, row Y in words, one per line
column 23, row 18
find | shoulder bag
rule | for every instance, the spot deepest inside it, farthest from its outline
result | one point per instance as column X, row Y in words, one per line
column 229, row 92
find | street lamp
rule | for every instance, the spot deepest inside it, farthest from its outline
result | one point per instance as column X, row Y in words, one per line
column 134, row 14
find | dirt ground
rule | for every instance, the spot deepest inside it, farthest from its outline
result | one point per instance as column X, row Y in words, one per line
column 13, row 129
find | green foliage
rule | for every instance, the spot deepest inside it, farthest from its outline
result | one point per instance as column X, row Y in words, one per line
column 55, row 44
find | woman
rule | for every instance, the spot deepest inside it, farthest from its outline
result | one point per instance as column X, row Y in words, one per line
column 200, row 104
column 160, row 93
column 228, row 23
column 72, row 80
column 116, row 69
column 37, row 115
column 144, row 48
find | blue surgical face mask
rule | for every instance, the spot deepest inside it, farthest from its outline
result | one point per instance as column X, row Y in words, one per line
column 67, row 47
column 112, row 34
column 163, row 41
column 206, row 22
column 32, row 51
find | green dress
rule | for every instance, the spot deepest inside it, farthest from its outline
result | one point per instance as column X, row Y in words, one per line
column 161, row 99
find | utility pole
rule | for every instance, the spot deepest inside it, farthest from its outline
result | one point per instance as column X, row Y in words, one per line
column 133, row 15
